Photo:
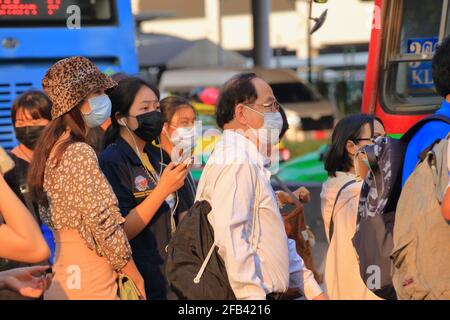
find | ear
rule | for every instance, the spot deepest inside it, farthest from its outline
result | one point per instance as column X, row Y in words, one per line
column 239, row 114
column 351, row 147
column 120, row 119
column 165, row 129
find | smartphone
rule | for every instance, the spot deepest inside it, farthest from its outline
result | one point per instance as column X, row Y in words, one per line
column 6, row 163
column 186, row 155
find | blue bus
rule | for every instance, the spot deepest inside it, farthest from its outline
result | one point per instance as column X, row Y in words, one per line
column 34, row 34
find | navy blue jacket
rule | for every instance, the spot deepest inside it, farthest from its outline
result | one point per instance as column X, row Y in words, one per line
column 132, row 184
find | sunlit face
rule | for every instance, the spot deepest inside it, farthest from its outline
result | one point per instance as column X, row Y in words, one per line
column 183, row 117
column 365, row 137
column 378, row 129
column 144, row 102
column 265, row 96
column 24, row 119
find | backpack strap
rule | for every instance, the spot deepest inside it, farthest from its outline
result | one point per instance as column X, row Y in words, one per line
column 413, row 130
column 331, row 228
column 423, row 155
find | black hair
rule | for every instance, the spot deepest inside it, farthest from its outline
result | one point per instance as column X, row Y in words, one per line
column 239, row 89
column 119, row 76
column 35, row 102
column 122, row 98
column 348, row 128
column 441, row 68
column 285, row 126
column 170, row 105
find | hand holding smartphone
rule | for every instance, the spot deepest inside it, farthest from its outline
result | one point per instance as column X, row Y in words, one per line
column 186, row 157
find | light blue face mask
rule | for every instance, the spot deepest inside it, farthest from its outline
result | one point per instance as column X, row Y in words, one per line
column 100, row 111
column 366, row 162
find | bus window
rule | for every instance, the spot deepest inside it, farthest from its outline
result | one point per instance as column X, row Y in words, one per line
column 420, row 20
column 408, row 84
column 43, row 13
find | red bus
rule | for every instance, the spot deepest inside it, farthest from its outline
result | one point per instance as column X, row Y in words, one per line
column 399, row 86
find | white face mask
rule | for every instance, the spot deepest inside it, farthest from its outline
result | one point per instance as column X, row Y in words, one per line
column 270, row 131
column 185, row 139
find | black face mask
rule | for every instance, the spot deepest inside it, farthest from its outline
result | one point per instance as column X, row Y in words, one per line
column 29, row 135
column 149, row 125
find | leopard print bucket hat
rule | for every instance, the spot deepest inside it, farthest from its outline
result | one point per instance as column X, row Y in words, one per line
column 70, row 80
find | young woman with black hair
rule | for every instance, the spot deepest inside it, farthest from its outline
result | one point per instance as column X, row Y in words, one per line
column 340, row 197
column 132, row 165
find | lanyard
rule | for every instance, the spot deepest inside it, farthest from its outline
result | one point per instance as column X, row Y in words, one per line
column 154, row 176
column 149, row 168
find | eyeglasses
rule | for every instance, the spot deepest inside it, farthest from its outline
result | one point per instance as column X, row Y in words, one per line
column 365, row 139
column 368, row 139
column 269, row 107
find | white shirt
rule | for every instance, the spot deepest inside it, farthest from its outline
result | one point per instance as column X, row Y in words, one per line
column 228, row 183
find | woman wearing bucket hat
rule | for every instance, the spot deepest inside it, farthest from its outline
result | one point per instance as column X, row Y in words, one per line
column 74, row 197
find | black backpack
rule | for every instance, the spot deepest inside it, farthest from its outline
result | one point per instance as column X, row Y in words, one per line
column 189, row 248
column 373, row 240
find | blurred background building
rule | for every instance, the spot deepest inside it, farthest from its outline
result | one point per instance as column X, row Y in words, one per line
column 338, row 49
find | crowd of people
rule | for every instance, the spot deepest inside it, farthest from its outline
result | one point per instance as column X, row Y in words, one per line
column 101, row 183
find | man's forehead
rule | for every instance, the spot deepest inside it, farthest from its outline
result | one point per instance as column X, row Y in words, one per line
column 263, row 89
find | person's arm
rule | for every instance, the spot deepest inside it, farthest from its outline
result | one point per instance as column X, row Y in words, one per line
column 20, row 236
column 232, row 201
column 302, row 194
column 446, row 201
column 29, row 282
column 446, row 206
column 138, row 218
column 171, row 180
column 132, row 271
column 301, row 277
